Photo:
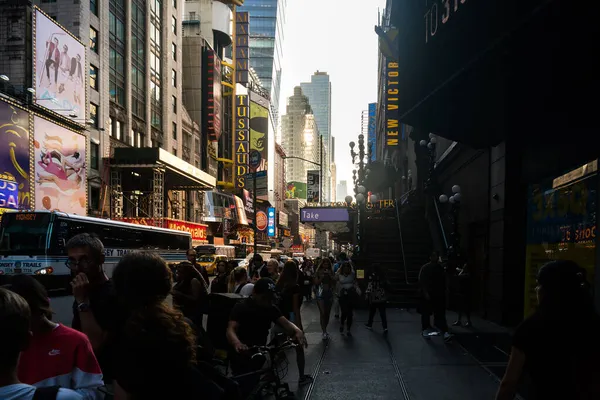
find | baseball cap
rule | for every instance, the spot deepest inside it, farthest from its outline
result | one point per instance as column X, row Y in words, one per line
column 264, row 286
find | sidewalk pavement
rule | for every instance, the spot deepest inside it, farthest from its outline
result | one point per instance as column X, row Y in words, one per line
column 401, row 365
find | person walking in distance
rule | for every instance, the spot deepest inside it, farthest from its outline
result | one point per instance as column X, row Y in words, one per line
column 349, row 293
column 96, row 311
column 377, row 297
column 325, row 283
column 189, row 292
column 192, row 258
column 432, row 285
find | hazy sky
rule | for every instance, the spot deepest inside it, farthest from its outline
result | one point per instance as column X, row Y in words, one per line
column 337, row 37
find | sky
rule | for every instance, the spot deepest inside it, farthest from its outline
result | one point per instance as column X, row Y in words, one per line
column 336, row 37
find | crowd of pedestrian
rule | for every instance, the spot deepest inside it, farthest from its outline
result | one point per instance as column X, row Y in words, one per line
column 128, row 341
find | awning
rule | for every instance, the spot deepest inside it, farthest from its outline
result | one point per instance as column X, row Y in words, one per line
column 479, row 71
column 179, row 174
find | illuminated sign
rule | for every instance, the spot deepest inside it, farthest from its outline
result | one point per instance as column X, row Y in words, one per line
column 242, row 139
column 392, row 102
column 271, row 222
column 199, row 232
column 261, row 221
column 372, row 132
column 212, row 94
column 242, row 49
column 9, row 193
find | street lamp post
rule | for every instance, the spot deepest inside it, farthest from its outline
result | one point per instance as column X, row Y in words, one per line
column 431, row 147
column 358, row 177
column 454, row 199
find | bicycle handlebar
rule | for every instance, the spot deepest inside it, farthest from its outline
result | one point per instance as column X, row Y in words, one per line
column 288, row 344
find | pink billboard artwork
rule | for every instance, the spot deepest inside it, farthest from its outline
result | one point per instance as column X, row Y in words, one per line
column 60, row 168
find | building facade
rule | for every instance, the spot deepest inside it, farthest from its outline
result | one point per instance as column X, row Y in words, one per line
column 267, row 22
column 318, row 91
column 341, row 191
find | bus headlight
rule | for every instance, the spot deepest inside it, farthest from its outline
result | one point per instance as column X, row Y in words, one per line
column 44, row 271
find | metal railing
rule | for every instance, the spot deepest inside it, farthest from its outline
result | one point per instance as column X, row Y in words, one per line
column 437, row 211
column 398, row 204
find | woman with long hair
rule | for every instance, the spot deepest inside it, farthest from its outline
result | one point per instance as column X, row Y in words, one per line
column 156, row 347
column 219, row 283
column 348, row 294
column 377, row 296
column 291, row 298
column 558, row 344
column 325, row 283
column 239, row 283
column 189, row 292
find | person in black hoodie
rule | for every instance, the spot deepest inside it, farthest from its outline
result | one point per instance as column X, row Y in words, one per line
column 558, row 344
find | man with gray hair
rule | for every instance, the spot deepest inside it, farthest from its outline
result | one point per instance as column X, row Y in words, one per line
column 95, row 309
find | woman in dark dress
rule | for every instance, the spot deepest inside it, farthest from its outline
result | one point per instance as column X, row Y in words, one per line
column 189, row 292
column 219, row 283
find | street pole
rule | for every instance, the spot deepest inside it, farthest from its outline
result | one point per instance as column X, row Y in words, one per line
column 255, row 210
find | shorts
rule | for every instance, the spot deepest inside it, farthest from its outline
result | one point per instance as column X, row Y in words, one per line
column 325, row 295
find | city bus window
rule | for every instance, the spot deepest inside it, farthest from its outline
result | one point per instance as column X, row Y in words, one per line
column 24, row 233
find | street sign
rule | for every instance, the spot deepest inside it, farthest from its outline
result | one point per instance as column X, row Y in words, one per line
column 259, row 174
column 254, row 159
column 287, row 243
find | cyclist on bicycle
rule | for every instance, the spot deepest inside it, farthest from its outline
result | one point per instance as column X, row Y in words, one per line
column 250, row 322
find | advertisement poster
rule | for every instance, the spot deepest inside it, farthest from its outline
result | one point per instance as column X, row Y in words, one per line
column 295, row 190
column 60, row 168
column 561, row 225
column 58, row 69
column 14, row 159
column 212, row 113
column 259, row 132
column 312, row 186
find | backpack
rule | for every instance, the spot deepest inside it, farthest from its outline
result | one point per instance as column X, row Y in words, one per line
column 239, row 289
column 46, row 393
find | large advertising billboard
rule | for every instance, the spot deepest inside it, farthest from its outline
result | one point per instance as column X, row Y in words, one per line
column 259, row 132
column 60, row 168
column 58, row 69
column 242, row 139
column 15, row 191
column 313, row 188
column 372, row 132
column 295, row 190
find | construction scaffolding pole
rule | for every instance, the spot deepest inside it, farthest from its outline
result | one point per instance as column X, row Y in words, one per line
column 158, row 195
column 116, row 194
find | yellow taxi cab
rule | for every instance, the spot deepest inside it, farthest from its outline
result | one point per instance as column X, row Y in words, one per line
column 210, row 261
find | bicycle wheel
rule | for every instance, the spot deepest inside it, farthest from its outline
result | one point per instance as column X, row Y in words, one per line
column 260, row 391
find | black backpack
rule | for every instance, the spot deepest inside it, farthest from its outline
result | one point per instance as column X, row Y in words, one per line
column 46, row 393
column 239, row 289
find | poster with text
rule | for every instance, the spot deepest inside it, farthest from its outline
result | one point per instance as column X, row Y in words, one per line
column 313, row 192
column 259, row 132
column 60, row 168
column 58, row 69
column 14, row 158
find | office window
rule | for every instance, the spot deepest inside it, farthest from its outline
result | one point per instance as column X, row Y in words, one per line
column 174, row 127
column 94, row 153
column 94, row 7
column 94, row 114
column 174, row 104
column 173, row 78
column 94, row 198
column 174, row 151
column 119, row 130
column 192, row 15
column 174, row 3
column 93, row 40
column 93, row 77
column 174, row 51
column 174, row 25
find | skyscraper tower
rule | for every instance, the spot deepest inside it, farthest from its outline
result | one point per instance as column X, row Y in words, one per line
column 267, row 19
column 300, row 136
column 318, row 91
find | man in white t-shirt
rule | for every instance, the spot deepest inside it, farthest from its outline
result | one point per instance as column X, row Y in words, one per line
column 14, row 337
column 242, row 286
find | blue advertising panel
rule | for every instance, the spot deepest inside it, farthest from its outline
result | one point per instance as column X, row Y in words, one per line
column 324, row 214
column 372, row 136
column 271, row 222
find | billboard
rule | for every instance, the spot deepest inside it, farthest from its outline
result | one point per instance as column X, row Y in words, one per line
column 242, row 47
column 259, row 132
column 212, row 113
column 313, row 188
column 242, row 139
column 59, row 73
column 60, row 168
column 15, row 193
column 392, row 101
column 372, row 131
column 295, row 190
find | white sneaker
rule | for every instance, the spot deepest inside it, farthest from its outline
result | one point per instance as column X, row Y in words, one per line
column 448, row 337
column 426, row 334
column 325, row 336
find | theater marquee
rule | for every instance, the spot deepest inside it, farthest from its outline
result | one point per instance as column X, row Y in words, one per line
column 242, row 139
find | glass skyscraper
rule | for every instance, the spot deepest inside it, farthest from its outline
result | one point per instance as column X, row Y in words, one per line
column 267, row 18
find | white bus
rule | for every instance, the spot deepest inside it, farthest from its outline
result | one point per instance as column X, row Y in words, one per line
column 33, row 243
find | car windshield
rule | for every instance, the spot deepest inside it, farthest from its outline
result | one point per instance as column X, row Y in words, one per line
column 206, row 259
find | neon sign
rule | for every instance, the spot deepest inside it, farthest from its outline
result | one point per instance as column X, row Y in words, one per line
column 271, row 222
